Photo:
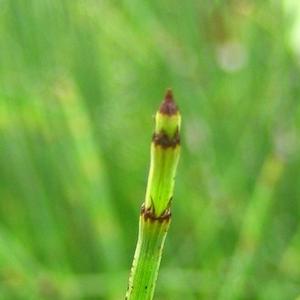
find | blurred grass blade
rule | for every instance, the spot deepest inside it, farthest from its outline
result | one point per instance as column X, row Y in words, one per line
column 252, row 229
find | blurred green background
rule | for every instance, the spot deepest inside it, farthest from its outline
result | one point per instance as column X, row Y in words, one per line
column 80, row 82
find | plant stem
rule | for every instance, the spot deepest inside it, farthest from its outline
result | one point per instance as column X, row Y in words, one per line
column 155, row 215
column 152, row 234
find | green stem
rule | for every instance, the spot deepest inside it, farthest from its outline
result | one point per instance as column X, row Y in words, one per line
column 152, row 234
column 156, row 212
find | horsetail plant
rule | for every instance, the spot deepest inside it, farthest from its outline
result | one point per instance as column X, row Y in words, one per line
column 155, row 213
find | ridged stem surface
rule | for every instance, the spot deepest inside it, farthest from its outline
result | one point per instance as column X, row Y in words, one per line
column 152, row 234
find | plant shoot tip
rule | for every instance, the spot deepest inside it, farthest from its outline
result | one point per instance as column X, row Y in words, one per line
column 168, row 107
column 169, row 95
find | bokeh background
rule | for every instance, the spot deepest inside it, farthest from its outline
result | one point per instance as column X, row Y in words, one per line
column 80, row 82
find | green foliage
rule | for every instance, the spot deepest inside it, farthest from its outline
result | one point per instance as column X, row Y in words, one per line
column 79, row 81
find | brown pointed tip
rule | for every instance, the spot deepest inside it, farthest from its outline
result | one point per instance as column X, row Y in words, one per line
column 169, row 95
column 168, row 107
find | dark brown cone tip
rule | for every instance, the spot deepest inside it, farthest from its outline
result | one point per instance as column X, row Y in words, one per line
column 169, row 95
column 168, row 107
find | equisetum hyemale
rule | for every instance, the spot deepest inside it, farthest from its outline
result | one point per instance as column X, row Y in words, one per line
column 155, row 214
